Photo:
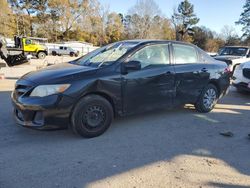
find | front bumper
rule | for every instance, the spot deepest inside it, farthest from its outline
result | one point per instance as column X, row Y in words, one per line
column 52, row 112
column 242, row 86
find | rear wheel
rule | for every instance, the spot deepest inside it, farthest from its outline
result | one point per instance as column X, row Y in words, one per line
column 53, row 53
column 208, row 99
column 41, row 55
column 92, row 116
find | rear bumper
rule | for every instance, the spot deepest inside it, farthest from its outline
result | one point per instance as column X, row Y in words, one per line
column 52, row 112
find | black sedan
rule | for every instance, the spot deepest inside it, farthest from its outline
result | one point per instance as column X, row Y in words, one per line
column 119, row 79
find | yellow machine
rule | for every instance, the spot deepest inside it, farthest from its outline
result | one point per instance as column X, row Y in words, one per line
column 31, row 45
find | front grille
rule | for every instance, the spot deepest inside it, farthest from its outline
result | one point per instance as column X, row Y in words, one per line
column 22, row 89
column 246, row 73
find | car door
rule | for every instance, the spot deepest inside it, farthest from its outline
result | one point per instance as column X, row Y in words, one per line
column 27, row 45
column 60, row 50
column 65, row 51
column 192, row 74
column 153, row 85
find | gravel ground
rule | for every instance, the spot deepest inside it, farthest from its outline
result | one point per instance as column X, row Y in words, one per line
column 177, row 148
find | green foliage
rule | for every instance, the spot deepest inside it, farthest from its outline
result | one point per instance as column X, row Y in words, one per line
column 183, row 19
column 245, row 19
column 201, row 36
column 88, row 20
column 7, row 21
column 26, row 11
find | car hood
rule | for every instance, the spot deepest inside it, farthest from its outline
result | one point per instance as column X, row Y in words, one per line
column 227, row 57
column 59, row 73
column 246, row 65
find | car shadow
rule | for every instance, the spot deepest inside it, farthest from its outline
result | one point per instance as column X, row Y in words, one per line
column 222, row 185
column 130, row 143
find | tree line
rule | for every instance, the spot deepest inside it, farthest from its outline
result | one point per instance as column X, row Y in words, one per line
column 90, row 21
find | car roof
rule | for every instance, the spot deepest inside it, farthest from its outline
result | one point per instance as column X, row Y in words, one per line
column 148, row 41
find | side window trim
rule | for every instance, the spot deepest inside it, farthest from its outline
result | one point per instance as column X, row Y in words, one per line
column 171, row 62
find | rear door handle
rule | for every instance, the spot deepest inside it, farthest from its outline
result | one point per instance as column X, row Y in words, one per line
column 204, row 70
column 169, row 72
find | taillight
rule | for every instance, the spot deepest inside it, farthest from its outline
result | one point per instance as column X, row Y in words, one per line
column 227, row 70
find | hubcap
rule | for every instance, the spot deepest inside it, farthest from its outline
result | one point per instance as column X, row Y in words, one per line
column 209, row 99
column 41, row 55
column 94, row 116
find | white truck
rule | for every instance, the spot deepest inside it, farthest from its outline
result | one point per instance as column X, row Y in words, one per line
column 64, row 50
column 241, row 77
column 234, row 55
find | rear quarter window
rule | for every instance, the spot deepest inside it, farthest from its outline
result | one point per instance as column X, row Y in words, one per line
column 205, row 57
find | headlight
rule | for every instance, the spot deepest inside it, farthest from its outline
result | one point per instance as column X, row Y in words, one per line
column 45, row 90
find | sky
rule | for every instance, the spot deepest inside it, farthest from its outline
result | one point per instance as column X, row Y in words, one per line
column 213, row 14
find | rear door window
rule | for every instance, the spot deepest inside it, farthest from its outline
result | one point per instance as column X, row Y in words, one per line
column 184, row 54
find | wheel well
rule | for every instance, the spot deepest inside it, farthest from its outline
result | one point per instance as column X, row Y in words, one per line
column 42, row 51
column 215, row 83
column 104, row 95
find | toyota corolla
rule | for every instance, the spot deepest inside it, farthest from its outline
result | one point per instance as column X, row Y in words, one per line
column 119, row 79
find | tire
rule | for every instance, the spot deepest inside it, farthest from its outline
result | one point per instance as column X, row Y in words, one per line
column 208, row 99
column 41, row 55
column 53, row 53
column 71, row 54
column 92, row 116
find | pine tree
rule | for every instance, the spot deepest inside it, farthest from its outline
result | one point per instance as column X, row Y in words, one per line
column 245, row 19
column 183, row 19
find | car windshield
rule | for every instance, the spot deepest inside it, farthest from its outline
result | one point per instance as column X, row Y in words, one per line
column 234, row 51
column 105, row 55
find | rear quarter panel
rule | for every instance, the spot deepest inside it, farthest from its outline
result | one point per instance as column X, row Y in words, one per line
column 220, row 77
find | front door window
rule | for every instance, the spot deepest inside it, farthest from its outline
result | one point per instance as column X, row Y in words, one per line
column 152, row 55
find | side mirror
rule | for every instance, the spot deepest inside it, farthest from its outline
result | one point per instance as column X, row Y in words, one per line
column 132, row 65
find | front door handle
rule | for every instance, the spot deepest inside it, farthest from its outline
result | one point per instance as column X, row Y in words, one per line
column 169, row 72
column 204, row 70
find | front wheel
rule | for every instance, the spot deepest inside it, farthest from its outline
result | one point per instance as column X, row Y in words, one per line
column 92, row 116
column 208, row 99
column 41, row 55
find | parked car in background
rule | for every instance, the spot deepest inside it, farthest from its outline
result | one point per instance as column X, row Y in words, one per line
column 64, row 50
column 233, row 55
column 119, row 79
column 241, row 77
